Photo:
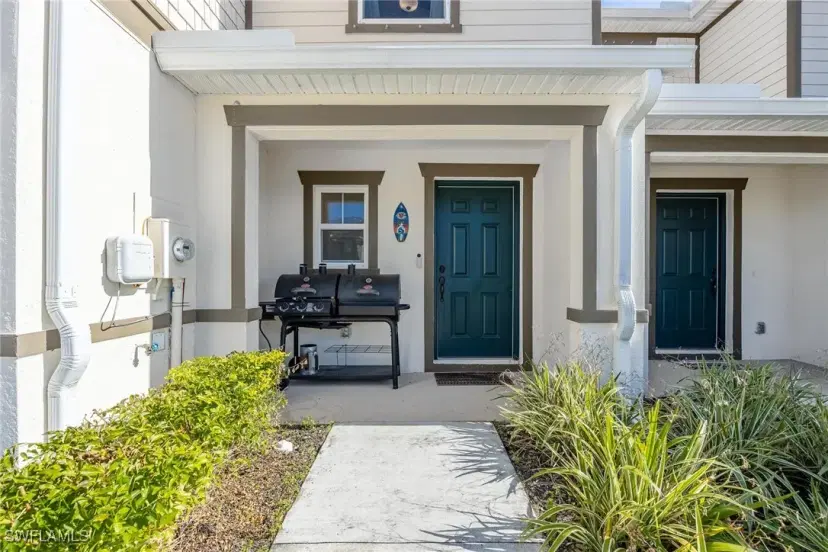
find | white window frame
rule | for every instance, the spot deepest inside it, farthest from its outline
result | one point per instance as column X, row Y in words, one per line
column 407, row 21
column 318, row 226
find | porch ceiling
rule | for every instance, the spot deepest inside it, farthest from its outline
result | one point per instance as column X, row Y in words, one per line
column 739, row 116
column 267, row 62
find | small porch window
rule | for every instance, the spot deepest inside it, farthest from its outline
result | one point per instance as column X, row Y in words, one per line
column 341, row 226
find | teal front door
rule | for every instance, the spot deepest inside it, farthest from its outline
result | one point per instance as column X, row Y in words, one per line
column 475, row 243
column 689, row 234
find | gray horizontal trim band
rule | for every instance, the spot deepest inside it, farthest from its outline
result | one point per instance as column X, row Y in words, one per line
column 229, row 315
column 35, row 343
column 602, row 316
column 407, row 115
column 736, row 144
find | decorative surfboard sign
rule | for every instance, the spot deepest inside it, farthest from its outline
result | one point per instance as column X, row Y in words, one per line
column 401, row 223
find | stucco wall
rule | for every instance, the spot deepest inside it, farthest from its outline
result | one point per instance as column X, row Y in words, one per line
column 281, row 227
column 748, row 46
column 540, row 21
column 809, row 269
column 784, row 257
column 127, row 145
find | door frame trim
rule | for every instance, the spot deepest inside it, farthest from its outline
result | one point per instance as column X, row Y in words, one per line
column 435, row 171
column 514, row 186
column 721, row 263
column 698, row 185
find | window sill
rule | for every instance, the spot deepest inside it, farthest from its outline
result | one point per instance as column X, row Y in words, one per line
column 424, row 28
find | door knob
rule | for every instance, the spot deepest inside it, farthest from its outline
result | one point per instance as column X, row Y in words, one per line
column 713, row 282
column 442, row 282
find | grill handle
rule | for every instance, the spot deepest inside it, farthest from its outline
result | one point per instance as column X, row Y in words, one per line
column 363, row 291
column 301, row 290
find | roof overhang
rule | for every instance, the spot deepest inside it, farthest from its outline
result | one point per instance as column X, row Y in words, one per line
column 268, row 62
column 739, row 116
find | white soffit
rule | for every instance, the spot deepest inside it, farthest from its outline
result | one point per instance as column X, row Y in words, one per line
column 739, row 116
column 671, row 17
column 267, row 62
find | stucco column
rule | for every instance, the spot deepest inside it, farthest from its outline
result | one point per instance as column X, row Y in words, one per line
column 228, row 233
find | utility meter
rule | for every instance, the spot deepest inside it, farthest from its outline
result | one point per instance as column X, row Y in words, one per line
column 183, row 249
column 173, row 248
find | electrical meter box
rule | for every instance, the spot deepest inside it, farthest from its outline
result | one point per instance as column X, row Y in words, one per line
column 129, row 259
column 173, row 247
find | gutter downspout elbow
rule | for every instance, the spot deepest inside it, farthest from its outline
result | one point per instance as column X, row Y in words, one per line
column 652, row 80
column 63, row 308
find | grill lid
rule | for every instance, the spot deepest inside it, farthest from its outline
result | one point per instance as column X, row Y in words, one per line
column 377, row 289
column 307, row 286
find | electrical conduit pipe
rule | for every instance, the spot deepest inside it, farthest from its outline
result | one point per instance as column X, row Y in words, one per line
column 61, row 304
column 651, row 88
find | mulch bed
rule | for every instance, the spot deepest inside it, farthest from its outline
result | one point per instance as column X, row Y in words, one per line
column 528, row 461
column 246, row 507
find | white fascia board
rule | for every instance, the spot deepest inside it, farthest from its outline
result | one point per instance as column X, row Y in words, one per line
column 263, row 51
column 748, row 108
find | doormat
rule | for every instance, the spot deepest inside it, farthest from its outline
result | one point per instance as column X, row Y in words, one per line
column 468, row 378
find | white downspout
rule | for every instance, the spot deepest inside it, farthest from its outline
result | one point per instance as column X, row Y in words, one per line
column 61, row 304
column 652, row 80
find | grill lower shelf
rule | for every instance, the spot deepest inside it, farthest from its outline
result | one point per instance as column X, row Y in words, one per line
column 348, row 373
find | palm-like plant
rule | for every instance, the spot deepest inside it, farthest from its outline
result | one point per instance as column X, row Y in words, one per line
column 635, row 488
column 626, row 483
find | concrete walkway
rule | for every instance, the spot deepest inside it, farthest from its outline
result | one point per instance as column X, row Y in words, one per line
column 381, row 488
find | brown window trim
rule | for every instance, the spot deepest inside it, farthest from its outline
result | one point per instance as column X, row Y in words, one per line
column 372, row 179
column 354, row 26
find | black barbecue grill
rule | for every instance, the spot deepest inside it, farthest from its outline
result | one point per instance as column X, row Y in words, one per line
column 330, row 301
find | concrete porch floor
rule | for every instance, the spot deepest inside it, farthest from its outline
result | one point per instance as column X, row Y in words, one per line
column 420, row 399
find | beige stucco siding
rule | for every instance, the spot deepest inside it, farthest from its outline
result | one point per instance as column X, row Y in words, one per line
column 748, row 46
column 536, row 21
column 815, row 48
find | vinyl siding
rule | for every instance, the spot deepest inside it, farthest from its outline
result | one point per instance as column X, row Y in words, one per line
column 748, row 46
column 815, row 48
column 533, row 21
column 203, row 15
column 686, row 76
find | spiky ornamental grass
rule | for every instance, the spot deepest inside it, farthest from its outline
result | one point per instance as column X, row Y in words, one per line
column 771, row 431
column 627, row 484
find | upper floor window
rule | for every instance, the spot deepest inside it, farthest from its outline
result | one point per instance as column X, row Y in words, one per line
column 428, row 10
column 411, row 16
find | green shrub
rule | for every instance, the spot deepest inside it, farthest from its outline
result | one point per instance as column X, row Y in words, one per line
column 626, row 484
column 762, row 425
column 771, row 431
column 120, row 480
column 543, row 401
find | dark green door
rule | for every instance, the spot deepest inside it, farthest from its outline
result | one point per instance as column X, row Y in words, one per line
column 688, row 272
column 475, row 265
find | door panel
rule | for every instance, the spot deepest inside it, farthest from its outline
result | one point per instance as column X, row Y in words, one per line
column 474, row 271
column 687, row 272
